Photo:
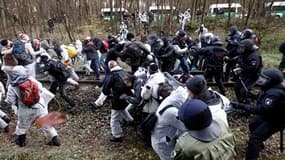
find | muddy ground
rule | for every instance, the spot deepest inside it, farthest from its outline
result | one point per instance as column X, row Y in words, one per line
column 86, row 135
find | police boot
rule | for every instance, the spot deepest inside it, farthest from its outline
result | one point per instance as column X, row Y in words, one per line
column 21, row 140
column 54, row 141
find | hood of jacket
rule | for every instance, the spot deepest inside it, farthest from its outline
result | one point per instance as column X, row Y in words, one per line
column 19, row 75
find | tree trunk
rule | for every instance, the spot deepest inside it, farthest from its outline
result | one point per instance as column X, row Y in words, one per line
column 250, row 9
column 203, row 11
column 229, row 16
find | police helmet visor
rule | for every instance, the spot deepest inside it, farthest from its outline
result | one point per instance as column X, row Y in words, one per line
column 262, row 80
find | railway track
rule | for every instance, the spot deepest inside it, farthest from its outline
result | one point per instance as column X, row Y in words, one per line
column 90, row 80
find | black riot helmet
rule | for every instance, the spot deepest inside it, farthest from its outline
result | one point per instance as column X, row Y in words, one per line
column 247, row 34
column 233, row 30
column 269, row 78
column 216, row 41
column 246, row 46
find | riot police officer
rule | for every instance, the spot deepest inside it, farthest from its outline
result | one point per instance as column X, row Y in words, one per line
column 233, row 40
column 249, row 34
column 214, row 61
column 166, row 56
column 269, row 109
column 250, row 63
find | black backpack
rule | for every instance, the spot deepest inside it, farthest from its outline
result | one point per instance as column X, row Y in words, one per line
column 149, row 122
column 58, row 70
column 134, row 51
column 20, row 53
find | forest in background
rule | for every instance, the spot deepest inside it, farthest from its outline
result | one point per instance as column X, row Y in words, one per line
column 31, row 16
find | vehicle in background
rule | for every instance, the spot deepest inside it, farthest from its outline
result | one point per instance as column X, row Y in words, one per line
column 277, row 9
column 223, row 9
column 161, row 13
column 106, row 13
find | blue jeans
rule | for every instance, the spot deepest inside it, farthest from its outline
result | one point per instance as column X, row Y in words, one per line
column 184, row 65
column 95, row 66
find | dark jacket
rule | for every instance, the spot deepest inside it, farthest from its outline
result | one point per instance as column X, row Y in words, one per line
column 99, row 45
column 167, row 53
column 57, row 69
column 114, row 84
column 251, row 64
column 136, row 99
column 270, row 104
column 113, row 54
column 233, row 41
column 214, row 56
column 90, row 52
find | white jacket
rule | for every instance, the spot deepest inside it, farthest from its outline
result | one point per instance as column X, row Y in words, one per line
column 168, row 127
column 149, row 91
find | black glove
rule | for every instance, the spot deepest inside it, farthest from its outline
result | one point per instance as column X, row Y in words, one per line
column 236, row 105
column 124, row 97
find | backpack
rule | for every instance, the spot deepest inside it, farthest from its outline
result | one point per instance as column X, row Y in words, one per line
column 59, row 70
column 149, row 122
column 134, row 51
column 20, row 53
column 164, row 89
column 30, row 92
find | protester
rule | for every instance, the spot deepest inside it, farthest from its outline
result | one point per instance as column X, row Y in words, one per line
column 28, row 113
column 205, row 138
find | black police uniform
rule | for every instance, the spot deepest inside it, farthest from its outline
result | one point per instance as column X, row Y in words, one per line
column 166, row 55
column 250, row 63
column 233, row 40
column 214, row 64
column 270, row 113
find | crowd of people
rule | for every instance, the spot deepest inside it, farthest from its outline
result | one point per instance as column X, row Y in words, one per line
column 188, row 119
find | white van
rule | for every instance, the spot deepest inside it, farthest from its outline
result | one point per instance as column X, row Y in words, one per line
column 223, row 9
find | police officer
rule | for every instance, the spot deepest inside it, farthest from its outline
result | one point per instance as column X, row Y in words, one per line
column 269, row 109
column 249, row 34
column 250, row 63
column 214, row 61
column 233, row 40
column 166, row 56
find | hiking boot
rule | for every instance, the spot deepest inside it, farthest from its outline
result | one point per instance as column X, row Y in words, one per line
column 54, row 141
column 21, row 140
column 116, row 139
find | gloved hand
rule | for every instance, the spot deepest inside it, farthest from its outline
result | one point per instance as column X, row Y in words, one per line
column 124, row 97
column 236, row 105
column 227, row 60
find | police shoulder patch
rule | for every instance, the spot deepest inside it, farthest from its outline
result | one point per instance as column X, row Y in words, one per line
column 268, row 101
column 253, row 63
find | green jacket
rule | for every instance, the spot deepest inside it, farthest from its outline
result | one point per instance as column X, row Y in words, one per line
column 189, row 148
